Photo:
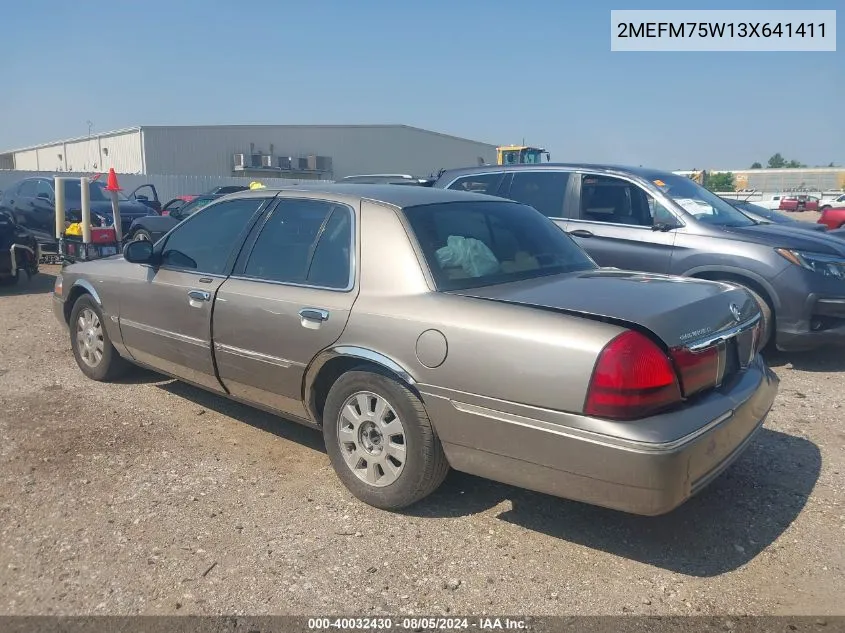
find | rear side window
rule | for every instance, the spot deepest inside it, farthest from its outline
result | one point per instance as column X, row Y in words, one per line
column 304, row 242
column 27, row 189
column 479, row 183
column 543, row 190
column 472, row 244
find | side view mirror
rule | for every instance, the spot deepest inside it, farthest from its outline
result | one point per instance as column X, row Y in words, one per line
column 43, row 196
column 663, row 226
column 141, row 197
column 138, row 252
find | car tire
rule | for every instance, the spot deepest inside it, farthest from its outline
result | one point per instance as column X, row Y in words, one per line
column 92, row 348
column 824, row 208
column 142, row 235
column 380, row 440
column 767, row 325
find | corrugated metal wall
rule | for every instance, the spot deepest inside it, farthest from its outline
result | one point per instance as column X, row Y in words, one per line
column 27, row 160
column 121, row 151
column 353, row 149
column 168, row 187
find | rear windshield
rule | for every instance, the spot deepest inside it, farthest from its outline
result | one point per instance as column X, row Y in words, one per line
column 473, row 244
column 195, row 205
column 97, row 189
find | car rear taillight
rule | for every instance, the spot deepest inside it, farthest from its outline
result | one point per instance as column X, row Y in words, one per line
column 698, row 370
column 633, row 378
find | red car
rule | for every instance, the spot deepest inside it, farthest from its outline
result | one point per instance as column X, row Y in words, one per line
column 799, row 203
column 833, row 217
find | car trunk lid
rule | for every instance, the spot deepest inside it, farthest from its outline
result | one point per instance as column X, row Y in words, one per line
column 680, row 311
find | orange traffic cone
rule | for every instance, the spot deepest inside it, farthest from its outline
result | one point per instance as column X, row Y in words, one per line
column 112, row 185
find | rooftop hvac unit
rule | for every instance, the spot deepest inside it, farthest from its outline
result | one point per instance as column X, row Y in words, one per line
column 266, row 160
column 256, row 160
column 312, row 162
column 301, row 164
column 284, row 163
column 240, row 160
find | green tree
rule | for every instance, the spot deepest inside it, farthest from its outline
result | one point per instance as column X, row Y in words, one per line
column 722, row 181
column 777, row 161
column 794, row 164
column 756, row 165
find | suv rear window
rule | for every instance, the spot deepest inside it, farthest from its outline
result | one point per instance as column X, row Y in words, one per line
column 473, row 244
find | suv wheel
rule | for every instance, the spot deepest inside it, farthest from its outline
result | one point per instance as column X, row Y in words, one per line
column 380, row 441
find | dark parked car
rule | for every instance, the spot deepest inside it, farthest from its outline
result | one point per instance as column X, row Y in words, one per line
column 656, row 221
column 764, row 215
column 387, row 179
column 19, row 250
column 32, row 203
column 152, row 227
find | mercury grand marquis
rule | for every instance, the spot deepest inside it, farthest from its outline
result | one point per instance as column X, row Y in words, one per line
column 422, row 329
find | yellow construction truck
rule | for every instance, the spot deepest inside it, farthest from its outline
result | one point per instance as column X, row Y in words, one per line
column 520, row 154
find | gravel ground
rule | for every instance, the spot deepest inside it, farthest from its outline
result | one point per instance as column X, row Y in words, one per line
column 153, row 497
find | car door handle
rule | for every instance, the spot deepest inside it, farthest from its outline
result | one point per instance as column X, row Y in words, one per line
column 199, row 295
column 314, row 314
column 581, row 233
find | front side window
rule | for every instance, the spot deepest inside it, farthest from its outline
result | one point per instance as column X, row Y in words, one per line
column 206, row 241
column 472, row 244
column 543, row 190
column 616, row 201
column 304, row 242
column 481, row 183
column 43, row 189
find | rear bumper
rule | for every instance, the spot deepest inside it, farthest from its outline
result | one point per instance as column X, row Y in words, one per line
column 646, row 478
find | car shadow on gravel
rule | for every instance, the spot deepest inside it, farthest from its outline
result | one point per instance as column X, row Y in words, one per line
column 278, row 426
column 824, row 360
column 40, row 284
column 724, row 527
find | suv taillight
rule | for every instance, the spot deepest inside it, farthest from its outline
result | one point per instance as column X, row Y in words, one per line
column 633, row 378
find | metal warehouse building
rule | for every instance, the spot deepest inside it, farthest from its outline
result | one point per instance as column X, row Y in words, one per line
column 271, row 151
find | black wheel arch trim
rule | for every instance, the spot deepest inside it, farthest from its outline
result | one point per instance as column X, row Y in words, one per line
column 741, row 273
column 89, row 288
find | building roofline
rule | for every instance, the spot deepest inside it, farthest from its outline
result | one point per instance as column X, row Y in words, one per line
column 141, row 128
column 317, row 125
column 75, row 139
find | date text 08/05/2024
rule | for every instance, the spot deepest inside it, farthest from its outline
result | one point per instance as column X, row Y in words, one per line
column 416, row 623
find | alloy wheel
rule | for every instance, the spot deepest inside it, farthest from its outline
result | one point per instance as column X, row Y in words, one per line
column 372, row 438
column 89, row 337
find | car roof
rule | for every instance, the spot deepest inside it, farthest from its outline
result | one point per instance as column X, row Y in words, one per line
column 387, row 194
column 643, row 172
